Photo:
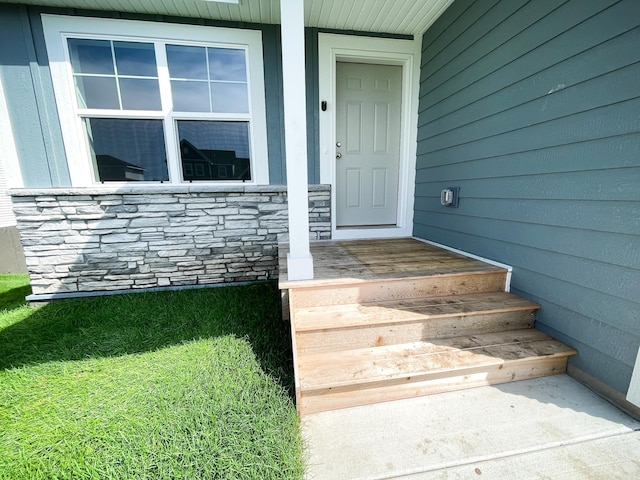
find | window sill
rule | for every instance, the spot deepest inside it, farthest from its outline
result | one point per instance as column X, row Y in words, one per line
column 154, row 189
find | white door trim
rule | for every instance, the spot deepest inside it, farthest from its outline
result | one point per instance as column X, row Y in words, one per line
column 633, row 394
column 406, row 53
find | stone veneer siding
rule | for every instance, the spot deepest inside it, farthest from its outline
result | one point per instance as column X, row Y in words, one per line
column 92, row 240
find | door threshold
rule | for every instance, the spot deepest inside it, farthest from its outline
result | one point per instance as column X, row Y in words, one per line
column 373, row 231
column 365, row 227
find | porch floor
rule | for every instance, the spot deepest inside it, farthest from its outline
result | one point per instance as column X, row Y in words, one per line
column 551, row 427
column 359, row 261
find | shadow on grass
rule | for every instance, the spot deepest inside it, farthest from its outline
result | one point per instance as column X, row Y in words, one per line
column 115, row 325
column 14, row 298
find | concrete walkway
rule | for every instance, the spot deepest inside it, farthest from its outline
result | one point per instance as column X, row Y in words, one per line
column 551, row 427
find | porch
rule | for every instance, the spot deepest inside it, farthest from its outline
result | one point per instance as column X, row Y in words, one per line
column 390, row 336
column 391, row 319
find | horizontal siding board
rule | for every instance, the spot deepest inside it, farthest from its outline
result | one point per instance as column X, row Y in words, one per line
column 610, row 152
column 586, row 273
column 483, row 80
column 482, row 18
column 462, row 13
column 614, row 217
column 610, row 120
column 567, row 267
column 618, row 52
column 599, row 364
column 614, row 342
column 486, row 35
column 612, row 249
column 603, row 90
column 621, row 184
column 536, row 286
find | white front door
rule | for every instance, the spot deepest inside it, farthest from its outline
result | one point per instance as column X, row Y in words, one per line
column 368, row 113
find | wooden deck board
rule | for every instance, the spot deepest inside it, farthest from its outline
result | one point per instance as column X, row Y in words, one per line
column 343, row 397
column 417, row 309
column 420, row 359
column 315, row 341
column 379, row 259
column 356, row 290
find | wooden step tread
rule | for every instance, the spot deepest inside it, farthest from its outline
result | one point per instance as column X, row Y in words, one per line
column 407, row 310
column 420, row 360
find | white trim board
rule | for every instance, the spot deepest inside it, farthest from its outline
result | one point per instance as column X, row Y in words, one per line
column 508, row 268
column 385, row 51
column 633, row 394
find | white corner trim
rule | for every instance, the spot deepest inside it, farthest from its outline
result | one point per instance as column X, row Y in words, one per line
column 508, row 268
column 8, row 151
column 386, row 51
column 633, row 394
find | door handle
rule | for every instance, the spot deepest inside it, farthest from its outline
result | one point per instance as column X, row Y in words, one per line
column 338, row 155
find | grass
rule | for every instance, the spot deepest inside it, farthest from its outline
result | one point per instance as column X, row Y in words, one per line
column 193, row 384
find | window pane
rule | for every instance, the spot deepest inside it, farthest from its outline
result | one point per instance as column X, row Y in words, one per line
column 134, row 58
column 227, row 64
column 91, row 56
column 187, row 62
column 127, row 150
column 140, row 94
column 214, row 150
column 97, row 92
column 229, row 97
column 190, row 96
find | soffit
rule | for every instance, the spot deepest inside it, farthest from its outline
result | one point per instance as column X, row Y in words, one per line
column 407, row 17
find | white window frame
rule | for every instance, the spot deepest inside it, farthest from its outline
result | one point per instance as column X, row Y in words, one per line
column 57, row 28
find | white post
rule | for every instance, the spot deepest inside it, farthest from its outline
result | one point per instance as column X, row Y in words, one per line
column 299, row 260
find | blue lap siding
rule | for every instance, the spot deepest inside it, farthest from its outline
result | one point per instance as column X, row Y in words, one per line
column 26, row 79
column 532, row 109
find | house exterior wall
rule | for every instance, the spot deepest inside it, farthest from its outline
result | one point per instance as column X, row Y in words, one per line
column 91, row 239
column 25, row 73
column 84, row 240
column 31, row 108
column 531, row 108
column 11, row 256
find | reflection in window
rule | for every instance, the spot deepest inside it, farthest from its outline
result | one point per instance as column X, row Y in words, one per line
column 227, row 64
column 115, row 75
column 214, row 150
column 206, row 79
column 127, row 150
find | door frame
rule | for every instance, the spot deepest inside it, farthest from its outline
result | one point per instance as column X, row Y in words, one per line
column 334, row 48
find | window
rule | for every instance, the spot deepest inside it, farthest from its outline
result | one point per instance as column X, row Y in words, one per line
column 148, row 102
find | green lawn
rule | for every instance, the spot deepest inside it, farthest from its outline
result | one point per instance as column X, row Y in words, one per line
column 193, row 384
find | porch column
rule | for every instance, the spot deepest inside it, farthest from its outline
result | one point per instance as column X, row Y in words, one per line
column 299, row 261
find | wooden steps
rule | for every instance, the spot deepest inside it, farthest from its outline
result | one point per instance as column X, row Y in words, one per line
column 360, row 291
column 333, row 380
column 340, row 327
column 387, row 333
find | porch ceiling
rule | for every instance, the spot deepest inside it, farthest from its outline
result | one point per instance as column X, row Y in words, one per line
column 408, row 17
